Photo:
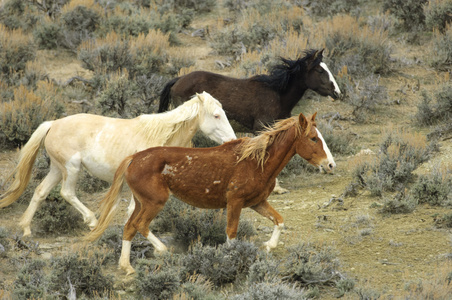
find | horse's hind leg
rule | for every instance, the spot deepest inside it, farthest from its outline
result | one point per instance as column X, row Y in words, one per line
column 266, row 210
column 68, row 190
column 278, row 189
column 41, row 192
column 145, row 211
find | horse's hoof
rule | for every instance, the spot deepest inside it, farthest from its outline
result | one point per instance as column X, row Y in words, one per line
column 129, row 269
column 160, row 252
column 92, row 224
column 280, row 191
column 27, row 232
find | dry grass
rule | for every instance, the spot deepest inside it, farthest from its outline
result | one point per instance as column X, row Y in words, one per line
column 91, row 4
column 154, row 41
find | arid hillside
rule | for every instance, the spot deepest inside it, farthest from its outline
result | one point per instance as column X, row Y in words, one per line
column 378, row 228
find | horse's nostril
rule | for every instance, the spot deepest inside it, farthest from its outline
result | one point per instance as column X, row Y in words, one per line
column 331, row 166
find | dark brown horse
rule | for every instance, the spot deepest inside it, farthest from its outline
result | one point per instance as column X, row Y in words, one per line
column 235, row 175
column 261, row 99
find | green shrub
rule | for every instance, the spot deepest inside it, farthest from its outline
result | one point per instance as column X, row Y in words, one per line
column 440, row 50
column 123, row 96
column 207, row 226
column 366, row 97
column 27, row 110
column 356, row 46
column 78, row 23
column 148, row 91
column 197, row 287
column 411, row 12
column 115, row 99
column 255, row 30
column 90, row 184
column 31, row 281
column 56, row 216
column 344, row 286
column 16, row 48
column 310, row 264
column 272, row 291
column 109, row 54
column 297, row 166
column 33, row 74
column 79, row 274
column 264, row 269
column 444, row 222
column 4, row 242
column 401, row 203
column 141, row 55
column 17, row 14
column 200, row 140
column 156, row 281
column 435, row 108
column 81, row 18
column 189, row 224
column 200, row 6
column 438, row 13
column 434, row 188
column 338, row 142
column 328, row 8
column 131, row 22
column 223, row 264
column 401, row 152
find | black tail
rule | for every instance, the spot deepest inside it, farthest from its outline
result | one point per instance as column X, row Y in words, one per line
column 165, row 95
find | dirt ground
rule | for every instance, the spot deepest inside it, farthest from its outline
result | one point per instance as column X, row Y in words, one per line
column 380, row 253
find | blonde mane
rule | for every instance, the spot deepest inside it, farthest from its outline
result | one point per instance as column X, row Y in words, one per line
column 256, row 148
column 159, row 129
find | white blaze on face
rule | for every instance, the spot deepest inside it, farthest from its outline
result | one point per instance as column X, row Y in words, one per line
column 336, row 87
column 327, row 151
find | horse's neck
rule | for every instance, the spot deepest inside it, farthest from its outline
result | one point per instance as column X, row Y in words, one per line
column 154, row 132
column 293, row 94
column 279, row 155
column 183, row 135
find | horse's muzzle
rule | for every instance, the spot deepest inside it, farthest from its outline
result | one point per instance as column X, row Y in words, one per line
column 335, row 95
column 327, row 167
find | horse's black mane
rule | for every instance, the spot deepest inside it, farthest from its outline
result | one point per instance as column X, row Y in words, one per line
column 280, row 74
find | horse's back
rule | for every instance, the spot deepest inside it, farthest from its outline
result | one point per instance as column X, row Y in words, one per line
column 95, row 141
column 201, row 177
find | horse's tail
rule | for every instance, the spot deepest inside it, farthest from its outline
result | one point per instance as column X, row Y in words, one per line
column 22, row 172
column 165, row 95
column 109, row 204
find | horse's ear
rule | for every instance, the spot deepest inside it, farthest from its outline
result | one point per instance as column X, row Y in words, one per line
column 319, row 53
column 313, row 117
column 303, row 121
column 200, row 96
column 315, row 59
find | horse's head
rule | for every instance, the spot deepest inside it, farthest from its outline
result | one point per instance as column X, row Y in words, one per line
column 319, row 77
column 312, row 147
column 213, row 121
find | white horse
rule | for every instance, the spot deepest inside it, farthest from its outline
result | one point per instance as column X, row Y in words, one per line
column 100, row 144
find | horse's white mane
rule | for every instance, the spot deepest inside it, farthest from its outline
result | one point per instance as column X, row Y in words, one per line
column 160, row 128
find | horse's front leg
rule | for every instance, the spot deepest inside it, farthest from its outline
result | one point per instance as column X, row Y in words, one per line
column 234, row 208
column 40, row 194
column 266, row 210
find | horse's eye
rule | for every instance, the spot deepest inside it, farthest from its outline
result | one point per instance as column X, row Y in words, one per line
column 314, row 139
column 320, row 70
column 217, row 116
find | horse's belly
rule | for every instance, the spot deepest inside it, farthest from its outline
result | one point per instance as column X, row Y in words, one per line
column 200, row 198
column 100, row 169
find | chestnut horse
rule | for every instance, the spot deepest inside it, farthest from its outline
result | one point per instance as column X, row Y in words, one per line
column 235, row 175
column 262, row 99
column 99, row 144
